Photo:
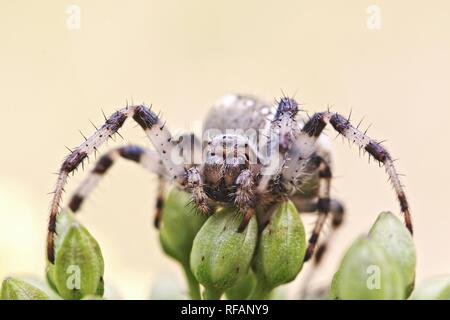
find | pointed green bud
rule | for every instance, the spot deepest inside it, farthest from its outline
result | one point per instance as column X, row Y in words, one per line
column 392, row 235
column 179, row 226
column 63, row 223
column 220, row 255
column 281, row 248
column 16, row 289
column 437, row 288
column 243, row 288
column 367, row 273
column 78, row 268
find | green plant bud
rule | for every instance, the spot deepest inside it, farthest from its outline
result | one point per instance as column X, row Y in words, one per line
column 392, row 235
column 333, row 295
column 50, row 276
column 437, row 288
column 368, row 273
column 16, row 289
column 242, row 289
column 281, row 248
column 63, row 223
column 78, row 268
column 180, row 224
column 220, row 255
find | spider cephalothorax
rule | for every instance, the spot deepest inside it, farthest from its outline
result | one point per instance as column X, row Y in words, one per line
column 252, row 156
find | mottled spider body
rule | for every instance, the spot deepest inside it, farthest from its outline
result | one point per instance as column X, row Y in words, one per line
column 241, row 134
column 252, row 155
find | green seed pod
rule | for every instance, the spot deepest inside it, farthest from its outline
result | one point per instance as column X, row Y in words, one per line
column 433, row 289
column 63, row 223
column 281, row 249
column 220, row 255
column 78, row 268
column 368, row 273
column 391, row 234
column 179, row 226
column 16, row 289
column 242, row 289
column 333, row 295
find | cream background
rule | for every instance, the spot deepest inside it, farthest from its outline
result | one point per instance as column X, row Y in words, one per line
column 181, row 56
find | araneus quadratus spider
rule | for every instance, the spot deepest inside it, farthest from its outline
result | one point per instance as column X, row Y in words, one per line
column 233, row 169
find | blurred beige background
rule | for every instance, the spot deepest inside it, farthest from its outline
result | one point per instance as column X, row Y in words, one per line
column 181, row 56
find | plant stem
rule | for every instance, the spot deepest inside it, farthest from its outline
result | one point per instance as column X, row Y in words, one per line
column 211, row 294
column 260, row 291
column 194, row 288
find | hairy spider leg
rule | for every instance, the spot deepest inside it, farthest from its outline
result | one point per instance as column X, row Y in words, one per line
column 283, row 131
column 323, row 203
column 147, row 158
column 157, row 133
column 343, row 126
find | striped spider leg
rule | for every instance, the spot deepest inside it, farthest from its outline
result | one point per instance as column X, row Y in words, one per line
column 159, row 136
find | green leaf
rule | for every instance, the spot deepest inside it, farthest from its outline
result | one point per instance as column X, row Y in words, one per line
column 16, row 289
column 281, row 248
column 391, row 234
column 368, row 273
column 79, row 267
column 220, row 255
column 437, row 288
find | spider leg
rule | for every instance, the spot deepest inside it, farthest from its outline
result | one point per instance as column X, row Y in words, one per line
column 337, row 212
column 244, row 197
column 247, row 216
column 195, row 186
column 156, row 131
column 323, row 203
column 343, row 126
column 159, row 201
column 283, row 131
column 147, row 158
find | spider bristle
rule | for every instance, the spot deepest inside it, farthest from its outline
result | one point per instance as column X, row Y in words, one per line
column 365, row 132
column 104, row 115
column 93, row 125
column 83, row 135
column 349, row 116
column 70, row 150
column 118, row 133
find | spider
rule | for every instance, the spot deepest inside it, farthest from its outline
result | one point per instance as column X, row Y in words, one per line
column 253, row 156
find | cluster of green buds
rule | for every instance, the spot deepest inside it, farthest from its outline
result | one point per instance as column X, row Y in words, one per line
column 380, row 265
column 213, row 254
column 77, row 272
column 220, row 261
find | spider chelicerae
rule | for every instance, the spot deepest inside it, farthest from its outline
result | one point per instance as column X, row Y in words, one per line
column 252, row 156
